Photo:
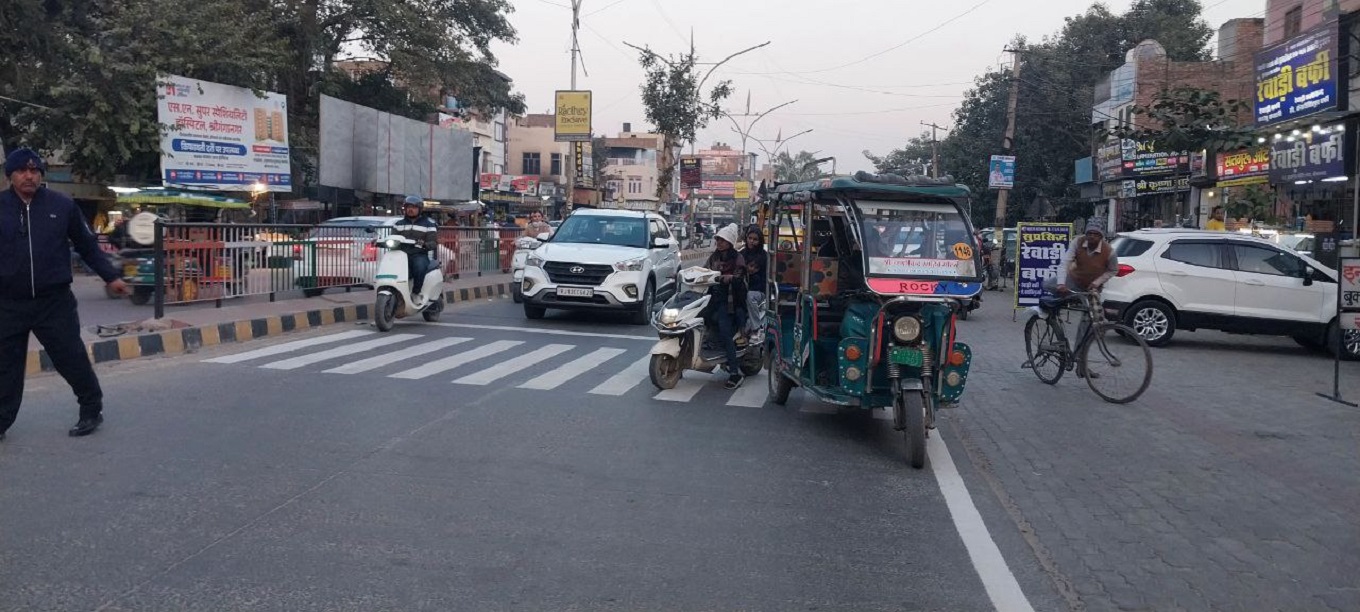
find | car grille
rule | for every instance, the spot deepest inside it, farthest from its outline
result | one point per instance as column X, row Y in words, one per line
column 562, row 273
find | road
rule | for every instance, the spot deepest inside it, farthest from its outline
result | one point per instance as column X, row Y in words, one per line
column 493, row 463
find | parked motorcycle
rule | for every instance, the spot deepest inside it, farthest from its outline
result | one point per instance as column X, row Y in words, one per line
column 681, row 326
column 394, row 286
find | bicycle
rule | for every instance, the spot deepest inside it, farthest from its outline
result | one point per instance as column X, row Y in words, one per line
column 1097, row 354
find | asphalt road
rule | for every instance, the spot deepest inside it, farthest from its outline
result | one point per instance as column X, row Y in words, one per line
column 494, row 463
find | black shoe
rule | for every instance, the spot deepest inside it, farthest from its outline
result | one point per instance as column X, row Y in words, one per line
column 734, row 381
column 2, row 435
column 86, row 427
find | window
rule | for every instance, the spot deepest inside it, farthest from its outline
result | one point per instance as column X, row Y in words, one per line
column 1263, row 260
column 532, row 164
column 1203, row 254
column 556, row 164
column 1130, row 247
column 659, row 230
column 1293, row 22
column 499, row 134
column 634, row 185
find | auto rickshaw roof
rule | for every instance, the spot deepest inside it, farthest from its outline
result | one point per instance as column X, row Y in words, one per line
column 880, row 184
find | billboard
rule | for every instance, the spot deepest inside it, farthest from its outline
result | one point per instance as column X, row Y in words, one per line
column 1243, row 167
column 1041, row 247
column 1310, row 156
column 1001, row 173
column 368, row 150
column 1297, row 77
column 691, row 172
column 573, row 116
column 221, row 137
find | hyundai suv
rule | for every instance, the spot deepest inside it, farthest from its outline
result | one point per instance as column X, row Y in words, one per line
column 1179, row 279
column 603, row 259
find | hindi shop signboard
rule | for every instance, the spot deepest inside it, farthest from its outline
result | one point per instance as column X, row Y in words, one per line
column 572, row 116
column 222, row 138
column 1350, row 292
column 1298, row 77
column 1308, row 157
column 1243, row 167
column 1041, row 248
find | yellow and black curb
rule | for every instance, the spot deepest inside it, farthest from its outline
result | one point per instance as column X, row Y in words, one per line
column 190, row 339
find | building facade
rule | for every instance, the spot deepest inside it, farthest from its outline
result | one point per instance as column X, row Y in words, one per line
column 632, row 170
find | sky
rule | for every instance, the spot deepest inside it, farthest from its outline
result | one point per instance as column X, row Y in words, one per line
column 865, row 73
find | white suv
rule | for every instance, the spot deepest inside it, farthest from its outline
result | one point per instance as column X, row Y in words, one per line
column 1172, row 279
column 603, row 259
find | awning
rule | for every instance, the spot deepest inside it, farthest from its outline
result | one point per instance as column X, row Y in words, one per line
column 183, row 198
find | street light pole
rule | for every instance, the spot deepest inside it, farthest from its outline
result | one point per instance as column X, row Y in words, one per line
column 934, row 149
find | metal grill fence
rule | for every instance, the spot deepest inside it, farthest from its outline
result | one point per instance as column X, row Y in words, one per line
column 200, row 262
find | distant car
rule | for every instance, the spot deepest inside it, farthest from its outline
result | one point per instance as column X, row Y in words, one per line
column 343, row 252
column 1300, row 243
column 1181, row 279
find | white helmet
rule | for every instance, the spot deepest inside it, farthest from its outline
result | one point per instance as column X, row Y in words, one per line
column 731, row 234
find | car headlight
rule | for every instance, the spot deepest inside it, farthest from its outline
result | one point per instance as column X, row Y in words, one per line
column 907, row 329
column 631, row 265
column 534, row 261
column 669, row 316
column 526, row 243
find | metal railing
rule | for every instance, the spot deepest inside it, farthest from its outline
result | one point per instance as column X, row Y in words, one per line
column 202, row 262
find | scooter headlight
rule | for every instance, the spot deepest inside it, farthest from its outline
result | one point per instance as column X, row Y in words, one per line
column 391, row 244
column 670, row 316
column 907, row 329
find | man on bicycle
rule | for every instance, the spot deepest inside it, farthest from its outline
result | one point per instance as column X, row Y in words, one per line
column 1086, row 265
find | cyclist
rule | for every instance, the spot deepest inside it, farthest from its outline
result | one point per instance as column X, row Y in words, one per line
column 1086, row 265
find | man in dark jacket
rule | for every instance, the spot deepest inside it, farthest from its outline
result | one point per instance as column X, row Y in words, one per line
column 420, row 228
column 38, row 227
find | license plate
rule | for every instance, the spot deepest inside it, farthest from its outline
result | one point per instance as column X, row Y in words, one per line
column 583, row 292
column 902, row 355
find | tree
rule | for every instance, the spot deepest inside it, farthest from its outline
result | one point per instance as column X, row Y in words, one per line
column 1190, row 119
column 676, row 104
column 914, row 158
column 796, row 168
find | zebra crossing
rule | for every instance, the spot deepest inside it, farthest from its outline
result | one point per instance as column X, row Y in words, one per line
column 559, row 365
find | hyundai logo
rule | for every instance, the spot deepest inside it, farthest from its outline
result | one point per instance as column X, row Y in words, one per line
column 578, row 269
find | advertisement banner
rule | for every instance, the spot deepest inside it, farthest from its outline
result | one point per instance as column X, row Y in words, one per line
column 1166, row 184
column 691, row 172
column 573, row 116
column 741, row 190
column 1298, row 77
column 1001, row 172
column 1145, row 159
column 1109, row 162
column 1310, row 156
column 1041, row 247
column 221, row 137
column 1243, row 167
column 489, row 181
column 1350, row 286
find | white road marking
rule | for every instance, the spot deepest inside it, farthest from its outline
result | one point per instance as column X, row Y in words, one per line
column 517, row 364
column 1001, row 585
column 624, row 381
column 687, row 388
column 547, row 332
column 288, row 347
column 453, row 361
column 373, row 363
column 559, row 376
column 339, row 351
column 752, row 393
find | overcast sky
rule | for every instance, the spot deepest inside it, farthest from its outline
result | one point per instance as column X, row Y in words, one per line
column 822, row 53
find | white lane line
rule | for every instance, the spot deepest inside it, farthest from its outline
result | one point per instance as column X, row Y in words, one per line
column 517, row 364
column 288, row 347
column 1001, row 585
column 546, row 332
column 752, row 392
column 453, row 361
column 560, row 376
column 373, row 363
column 687, row 388
column 624, row 381
column 339, row 351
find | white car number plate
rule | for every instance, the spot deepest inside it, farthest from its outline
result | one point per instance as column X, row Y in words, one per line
column 575, row 292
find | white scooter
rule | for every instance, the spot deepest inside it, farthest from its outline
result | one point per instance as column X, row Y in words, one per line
column 394, row 286
column 523, row 247
column 680, row 324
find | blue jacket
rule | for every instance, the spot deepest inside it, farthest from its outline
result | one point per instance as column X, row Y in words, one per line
column 36, row 241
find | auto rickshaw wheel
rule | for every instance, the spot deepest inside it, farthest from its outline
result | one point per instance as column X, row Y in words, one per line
column 141, row 296
column 778, row 385
column 912, row 406
column 664, row 371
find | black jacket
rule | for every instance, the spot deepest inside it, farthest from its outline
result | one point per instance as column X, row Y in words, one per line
column 421, row 229
column 36, row 241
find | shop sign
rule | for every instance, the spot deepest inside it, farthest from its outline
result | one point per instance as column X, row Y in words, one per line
column 1039, row 256
column 1308, row 157
column 1243, row 167
column 1350, row 292
column 572, row 117
column 1153, row 186
column 1144, row 159
column 1109, row 162
column 490, row 180
column 1197, row 163
column 691, row 172
column 1298, row 77
column 1119, row 189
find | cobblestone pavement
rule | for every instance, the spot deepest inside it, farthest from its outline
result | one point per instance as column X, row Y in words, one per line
column 1229, row 485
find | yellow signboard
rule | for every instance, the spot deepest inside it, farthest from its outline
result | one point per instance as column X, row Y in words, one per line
column 573, row 116
column 742, row 190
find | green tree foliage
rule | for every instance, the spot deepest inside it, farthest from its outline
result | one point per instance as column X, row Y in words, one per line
column 1190, row 118
column 795, row 168
column 673, row 96
column 913, row 158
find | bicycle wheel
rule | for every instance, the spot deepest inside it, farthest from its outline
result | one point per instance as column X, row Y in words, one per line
column 1046, row 348
column 1117, row 363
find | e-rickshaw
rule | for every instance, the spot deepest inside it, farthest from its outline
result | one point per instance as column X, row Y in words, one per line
column 862, row 306
column 185, row 269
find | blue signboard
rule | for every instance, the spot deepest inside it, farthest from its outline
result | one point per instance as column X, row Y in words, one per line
column 1310, row 156
column 1040, row 253
column 1298, row 77
column 1001, row 174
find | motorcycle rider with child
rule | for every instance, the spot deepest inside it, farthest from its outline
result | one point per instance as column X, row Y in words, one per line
column 728, row 305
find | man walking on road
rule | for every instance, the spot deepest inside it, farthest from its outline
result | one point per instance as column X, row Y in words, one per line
column 38, row 227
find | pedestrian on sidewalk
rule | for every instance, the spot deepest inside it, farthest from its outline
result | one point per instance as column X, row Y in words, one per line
column 38, row 227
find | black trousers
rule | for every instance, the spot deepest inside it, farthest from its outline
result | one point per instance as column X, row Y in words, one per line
column 54, row 320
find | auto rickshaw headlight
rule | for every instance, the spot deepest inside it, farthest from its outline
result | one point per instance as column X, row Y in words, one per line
column 907, row 329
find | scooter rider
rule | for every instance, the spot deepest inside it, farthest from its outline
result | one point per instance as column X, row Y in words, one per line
column 729, row 296
column 420, row 228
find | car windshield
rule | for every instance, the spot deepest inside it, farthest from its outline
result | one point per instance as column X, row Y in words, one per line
column 925, row 240
column 593, row 229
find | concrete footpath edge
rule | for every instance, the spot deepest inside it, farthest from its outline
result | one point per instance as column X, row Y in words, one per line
column 190, row 339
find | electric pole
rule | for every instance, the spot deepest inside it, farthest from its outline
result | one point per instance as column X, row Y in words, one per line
column 1009, row 140
column 571, row 146
column 934, row 149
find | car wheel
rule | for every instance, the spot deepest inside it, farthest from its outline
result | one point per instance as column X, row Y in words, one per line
column 516, row 294
column 1153, row 320
column 534, row 312
column 643, row 316
column 1309, row 342
column 1343, row 342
